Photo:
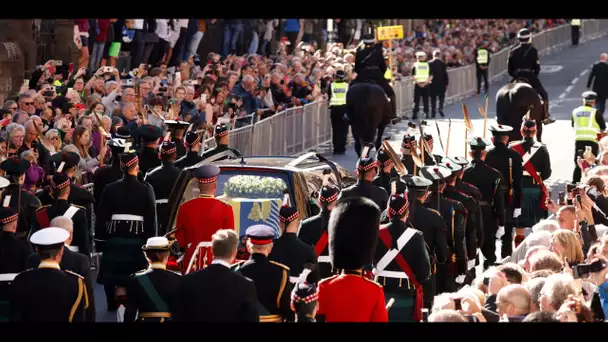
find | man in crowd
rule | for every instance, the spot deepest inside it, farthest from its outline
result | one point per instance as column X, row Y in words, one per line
column 598, row 81
column 440, row 83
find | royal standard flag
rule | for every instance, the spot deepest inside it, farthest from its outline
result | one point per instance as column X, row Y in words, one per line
column 249, row 212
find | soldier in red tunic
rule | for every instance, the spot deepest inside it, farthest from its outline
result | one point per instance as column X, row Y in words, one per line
column 199, row 218
column 349, row 296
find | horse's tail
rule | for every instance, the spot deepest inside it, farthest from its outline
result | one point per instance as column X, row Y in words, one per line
column 503, row 106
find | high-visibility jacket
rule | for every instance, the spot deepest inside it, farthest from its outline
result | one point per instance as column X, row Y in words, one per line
column 482, row 56
column 575, row 22
column 586, row 127
column 57, row 84
column 388, row 74
column 338, row 93
column 422, row 72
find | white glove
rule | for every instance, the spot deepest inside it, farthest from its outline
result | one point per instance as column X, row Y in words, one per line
column 500, row 232
column 516, row 212
column 471, row 264
column 460, row 279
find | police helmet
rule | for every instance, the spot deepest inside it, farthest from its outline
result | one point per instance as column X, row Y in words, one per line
column 523, row 34
column 368, row 39
column 340, row 74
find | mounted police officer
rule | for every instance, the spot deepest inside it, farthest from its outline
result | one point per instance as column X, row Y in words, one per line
column 366, row 172
column 221, row 143
column 588, row 123
column 370, row 65
column 162, row 179
column 337, row 104
column 422, row 76
column 524, row 63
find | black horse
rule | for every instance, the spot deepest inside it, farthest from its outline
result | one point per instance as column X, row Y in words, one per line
column 369, row 112
column 513, row 101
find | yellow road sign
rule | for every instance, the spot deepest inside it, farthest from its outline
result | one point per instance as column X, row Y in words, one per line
column 390, row 32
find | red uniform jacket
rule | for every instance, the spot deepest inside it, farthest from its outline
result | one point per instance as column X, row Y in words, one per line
column 198, row 219
column 351, row 298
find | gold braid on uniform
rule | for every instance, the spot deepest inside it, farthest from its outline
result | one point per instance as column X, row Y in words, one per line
column 77, row 302
column 300, row 195
column 282, row 289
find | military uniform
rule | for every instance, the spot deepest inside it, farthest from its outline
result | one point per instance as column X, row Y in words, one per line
column 199, row 218
column 148, row 155
column 271, row 278
column 20, row 200
column 193, row 142
column 489, row 181
column 153, row 293
column 173, row 126
column 162, row 179
column 125, row 218
column 429, row 157
column 365, row 188
column 81, row 241
column 402, row 263
column 109, row 173
column 537, row 168
column 48, row 294
column 430, row 222
column 313, row 230
column 383, row 179
column 508, row 163
column 220, row 132
column 454, row 215
column 407, row 146
column 14, row 252
column 304, row 296
column 288, row 249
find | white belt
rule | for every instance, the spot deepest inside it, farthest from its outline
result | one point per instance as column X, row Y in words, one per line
column 526, row 173
column 324, row 258
column 162, row 201
column 74, row 248
column 293, row 279
column 127, row 217
column 471, row 264
column 8, row 276
column 391, row 274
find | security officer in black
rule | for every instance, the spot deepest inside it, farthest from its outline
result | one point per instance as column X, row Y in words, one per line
column 489, row 182
column 153, row 293
column 432, row 226
column 370, row 65
column 221, row 143
column 192, row 157
column 408, row 147
column 509, row 163
column 125, row 219
column 313, row 230
column 271, row 278
column 337, row 106
column 108, row 173
column 482, row 63
column 385, row 168
column 178, row 130
column 148, row 154
column 81, row 240
column 14, row 252
column 288, row 249
column 18, row 199
column 366, row 172
column 454, row 215
column 523, row 62
column 471, row 216
column 162, row 179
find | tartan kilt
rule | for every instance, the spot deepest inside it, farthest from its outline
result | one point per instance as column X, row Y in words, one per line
column 531, row 213
column 120, row 259
column 403, row 307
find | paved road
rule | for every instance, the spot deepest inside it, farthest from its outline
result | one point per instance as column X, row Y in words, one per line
column 564, row 85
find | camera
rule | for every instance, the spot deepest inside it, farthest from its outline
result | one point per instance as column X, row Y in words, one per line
column 583, row 270
column 162, row 89
column 48, row 93
column 457, row 304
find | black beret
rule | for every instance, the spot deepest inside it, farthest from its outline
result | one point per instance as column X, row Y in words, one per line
column 192, row 139
column 328, row 194
column 287, row 213
column 408, row 140
column 7, row 215
column 123, row 132
column 128, row 159
column 451, row 164
column 528, row 125
column 60, row 180
column 15, row 166
column 397, row 204
column 435, row 172
column 176, row 124
column 221, row 130
column 69, row 160
column 460, row 160
column 428, row 137
column 478, row 143
column 500, row 130
column 117, row 145
column 149, row 132
column 418, row 183
column 383, row 158
column 167, row 147
column 207, row 173
column 366, row 164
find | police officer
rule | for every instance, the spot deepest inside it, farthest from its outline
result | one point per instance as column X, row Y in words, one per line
column 313, row 230
column 125, row 219
column 81, row 241
column 337, row 104
column 536, row 168
column 221, row 143
column 271, row 278
column 288, row 249
column 162, row 179
column 508, row 163
column 575, row 24
column 18, row 198
column 523, row 62
column 404, row 284
column 366, row 172
column 422, row 76
column 108, row 173
column 482, row 63
column 178, row 129
column 148, row 154
column 192, row 157
column 408, row 149
column 385, row 169
column 430, row 222
column 153, row 293
column 14, row 252
column 47, row 293
column 454, row 214
column 370, row 65
column 489, row 182
column 587, row 123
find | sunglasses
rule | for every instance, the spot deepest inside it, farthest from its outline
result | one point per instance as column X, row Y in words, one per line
column 14, row 108
column 28, row 103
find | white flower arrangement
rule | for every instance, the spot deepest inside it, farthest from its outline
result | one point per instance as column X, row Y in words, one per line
column 254, row 187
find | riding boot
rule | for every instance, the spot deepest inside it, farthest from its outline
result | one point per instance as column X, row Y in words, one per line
column 548, row 119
